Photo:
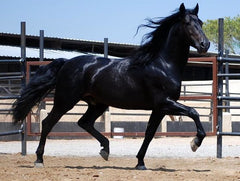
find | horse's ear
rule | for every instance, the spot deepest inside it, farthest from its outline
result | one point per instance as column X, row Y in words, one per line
column 182, row 8
column 195, row 10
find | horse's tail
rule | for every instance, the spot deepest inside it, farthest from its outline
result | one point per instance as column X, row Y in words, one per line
column 38, row 87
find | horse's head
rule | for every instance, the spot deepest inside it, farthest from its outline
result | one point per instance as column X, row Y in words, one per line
column 192, row 26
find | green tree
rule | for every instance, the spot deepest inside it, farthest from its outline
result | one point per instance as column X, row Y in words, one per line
column 231, row 33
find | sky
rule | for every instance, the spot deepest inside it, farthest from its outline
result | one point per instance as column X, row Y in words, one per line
column 96, row 20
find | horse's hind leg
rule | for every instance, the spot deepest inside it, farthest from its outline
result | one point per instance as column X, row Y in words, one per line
column 47, row 125
column 87, row 122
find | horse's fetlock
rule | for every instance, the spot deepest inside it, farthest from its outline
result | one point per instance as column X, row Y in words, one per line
column 201, row 134
column 105, row 143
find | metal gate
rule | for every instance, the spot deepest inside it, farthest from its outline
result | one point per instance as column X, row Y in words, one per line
column 19, row 76
column 224, row 97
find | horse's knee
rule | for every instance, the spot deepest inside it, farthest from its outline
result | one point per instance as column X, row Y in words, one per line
column 193, row 113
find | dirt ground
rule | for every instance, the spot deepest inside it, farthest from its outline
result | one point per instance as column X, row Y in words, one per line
column 17, row 167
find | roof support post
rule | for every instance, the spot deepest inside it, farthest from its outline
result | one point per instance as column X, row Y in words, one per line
column 106, row 47
column 41, row 46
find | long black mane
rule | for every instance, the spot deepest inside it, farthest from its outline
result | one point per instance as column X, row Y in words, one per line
column 154, row 41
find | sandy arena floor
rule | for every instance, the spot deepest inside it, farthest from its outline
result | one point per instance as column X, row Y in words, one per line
column 166, row 159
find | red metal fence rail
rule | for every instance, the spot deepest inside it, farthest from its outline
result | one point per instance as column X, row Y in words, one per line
column 213, row 98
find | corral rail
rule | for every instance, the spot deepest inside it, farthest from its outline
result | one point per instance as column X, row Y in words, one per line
column 211, row 98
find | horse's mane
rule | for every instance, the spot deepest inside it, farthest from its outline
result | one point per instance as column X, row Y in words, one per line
column 154, row 41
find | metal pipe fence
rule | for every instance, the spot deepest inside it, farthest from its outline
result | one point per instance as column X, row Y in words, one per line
column 14, row 76
column 224, row 99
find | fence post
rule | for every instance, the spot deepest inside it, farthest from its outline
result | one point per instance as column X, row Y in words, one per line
column 42, row 104
column 220, row 85
column 107, row 114
column 227, row 103
column 23, row 67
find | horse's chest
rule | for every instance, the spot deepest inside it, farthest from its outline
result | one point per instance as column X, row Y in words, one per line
column 164, row 85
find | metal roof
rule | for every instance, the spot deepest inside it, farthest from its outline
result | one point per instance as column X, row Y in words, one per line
column 33, row 53
column 114, row 49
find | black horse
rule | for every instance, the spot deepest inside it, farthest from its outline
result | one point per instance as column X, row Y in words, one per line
column 150, row 79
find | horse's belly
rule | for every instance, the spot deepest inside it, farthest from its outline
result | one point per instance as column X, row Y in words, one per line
column 125, row 99
column 131, row 104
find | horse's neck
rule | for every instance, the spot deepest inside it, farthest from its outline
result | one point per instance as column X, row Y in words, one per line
column 176, row 51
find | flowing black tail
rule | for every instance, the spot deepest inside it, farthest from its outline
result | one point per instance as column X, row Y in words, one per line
column 38, row 87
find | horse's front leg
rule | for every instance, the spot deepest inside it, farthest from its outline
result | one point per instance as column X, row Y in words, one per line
column 197, row 141
column 154, row 121
column 176, row 108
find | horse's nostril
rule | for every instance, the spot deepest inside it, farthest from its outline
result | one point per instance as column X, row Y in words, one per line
column 204, row 44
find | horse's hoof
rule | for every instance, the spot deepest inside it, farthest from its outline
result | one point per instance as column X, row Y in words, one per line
column 141, row 167
column 104, row 154
column 193, row 144
column 38, row 165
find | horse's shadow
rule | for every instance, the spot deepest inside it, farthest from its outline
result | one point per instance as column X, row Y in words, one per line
column 107, row 167
column 163, row 169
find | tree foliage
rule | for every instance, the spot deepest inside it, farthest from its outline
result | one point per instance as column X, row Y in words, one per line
column 231, row 33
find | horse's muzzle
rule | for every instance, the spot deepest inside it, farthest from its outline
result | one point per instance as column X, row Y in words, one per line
column 203, row 47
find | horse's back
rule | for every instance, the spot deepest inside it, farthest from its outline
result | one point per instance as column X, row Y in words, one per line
column 77, row 76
